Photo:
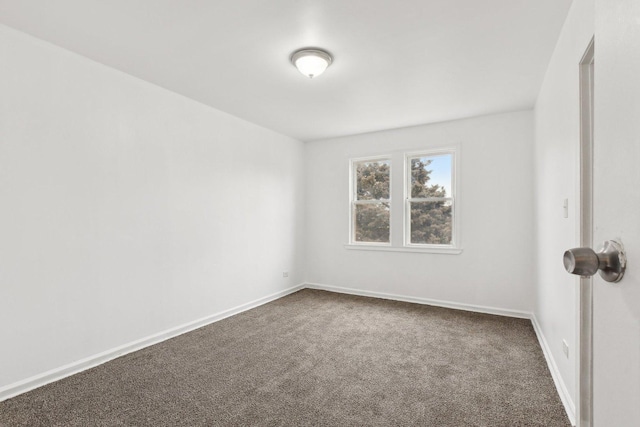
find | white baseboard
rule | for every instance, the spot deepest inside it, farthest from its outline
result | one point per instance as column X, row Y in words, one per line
column 568, row 403
column 418, row 300
column 56, row 374
column 553, row 368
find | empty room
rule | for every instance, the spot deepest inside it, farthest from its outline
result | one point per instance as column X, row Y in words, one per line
column 319, row 213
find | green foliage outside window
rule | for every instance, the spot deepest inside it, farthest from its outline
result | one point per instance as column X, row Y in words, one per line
column 431, row 221
column 372, row 219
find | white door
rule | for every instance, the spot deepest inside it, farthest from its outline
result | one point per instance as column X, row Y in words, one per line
column 616, row 214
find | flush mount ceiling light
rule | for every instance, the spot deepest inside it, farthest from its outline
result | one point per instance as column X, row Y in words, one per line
column 311, row 62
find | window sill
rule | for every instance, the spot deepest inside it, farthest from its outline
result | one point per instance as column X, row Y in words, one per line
column 444, row 251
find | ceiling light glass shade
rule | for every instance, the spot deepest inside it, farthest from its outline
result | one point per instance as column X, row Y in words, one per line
column 311, row 62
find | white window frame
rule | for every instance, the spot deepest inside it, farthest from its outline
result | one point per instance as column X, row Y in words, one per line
column 454, row 245
column 353, row 200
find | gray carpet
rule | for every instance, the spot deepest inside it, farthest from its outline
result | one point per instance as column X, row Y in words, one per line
column 316, row 358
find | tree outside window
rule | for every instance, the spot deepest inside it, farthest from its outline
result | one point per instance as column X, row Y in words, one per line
column 370, row 206
column 430, row 199
column 429, row 204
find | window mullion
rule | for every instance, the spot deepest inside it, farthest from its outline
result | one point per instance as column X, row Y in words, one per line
column 430, row 199
column 371, row 201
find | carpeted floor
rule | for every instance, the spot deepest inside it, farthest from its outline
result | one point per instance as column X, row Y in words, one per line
column 316, row 358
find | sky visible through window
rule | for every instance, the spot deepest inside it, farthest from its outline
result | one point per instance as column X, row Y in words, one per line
column 441, row 167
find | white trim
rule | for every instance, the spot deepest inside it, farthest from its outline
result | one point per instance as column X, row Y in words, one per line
column 454, row 152
column 584, row 301
column 563, row 392
column 371, row 202
column 373, row 158
column 561, row 388
column 56, row 374
column 353, row 199
column 430, row 199
column 426, row 301
column 386, row 247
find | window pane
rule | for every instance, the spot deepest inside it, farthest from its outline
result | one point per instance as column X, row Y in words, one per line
column 431, row 176
column 431, row 223
column 372, row 180
column 372, row 222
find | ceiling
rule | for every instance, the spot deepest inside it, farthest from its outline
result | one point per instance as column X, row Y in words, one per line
column 396, row 62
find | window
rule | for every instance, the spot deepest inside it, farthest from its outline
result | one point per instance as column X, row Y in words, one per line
column 429, row 207
column 370, row 201
column 424, row 220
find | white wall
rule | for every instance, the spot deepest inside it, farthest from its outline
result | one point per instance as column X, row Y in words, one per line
column 126, row 210
column 495, row 202
column 557, row 145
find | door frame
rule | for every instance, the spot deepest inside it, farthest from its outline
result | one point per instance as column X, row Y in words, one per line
column 584, row 409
